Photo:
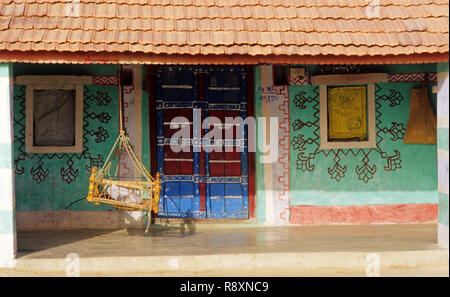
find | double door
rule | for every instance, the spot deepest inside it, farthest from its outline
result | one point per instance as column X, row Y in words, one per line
column 204, row 173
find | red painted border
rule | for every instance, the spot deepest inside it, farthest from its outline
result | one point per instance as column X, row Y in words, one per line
column 364, row 214
column 413, row 77
column 105, row 80
column 251, row 155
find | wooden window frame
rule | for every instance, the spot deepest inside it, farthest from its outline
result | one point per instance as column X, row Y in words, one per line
column 368, row 80
column 47, row 82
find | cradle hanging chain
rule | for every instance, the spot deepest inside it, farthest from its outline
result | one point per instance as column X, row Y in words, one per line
column 124, row 143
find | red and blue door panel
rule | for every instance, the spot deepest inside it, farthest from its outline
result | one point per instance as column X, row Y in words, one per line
column 202, row 182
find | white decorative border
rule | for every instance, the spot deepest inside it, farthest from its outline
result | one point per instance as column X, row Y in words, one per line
column 45, row 82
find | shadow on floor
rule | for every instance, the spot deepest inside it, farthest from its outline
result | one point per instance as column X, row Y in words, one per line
column 32, row 242
column 185, row 228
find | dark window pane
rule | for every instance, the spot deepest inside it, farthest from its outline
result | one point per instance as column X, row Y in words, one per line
column 280, row 75
column 126, row 77
column 54, row 117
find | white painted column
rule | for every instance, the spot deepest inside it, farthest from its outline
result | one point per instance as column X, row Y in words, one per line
column 7, row 207
column 442, row 131
column 276, row 173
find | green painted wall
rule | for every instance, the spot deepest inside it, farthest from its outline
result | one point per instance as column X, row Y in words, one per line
column 311, row 183
column 393, row 173
column 46, row 182
column 145, row 125
column 52, row 181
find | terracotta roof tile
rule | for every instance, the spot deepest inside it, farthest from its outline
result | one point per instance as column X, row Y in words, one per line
column 236, row 50
column 86, row 10
column 278, row 25
column 284, row 50
column 222, row 37
column 128, row 37
column 95, row 47
column 414, row 25
column 31, row 35
column 252, row 28
column 210, row 25
column 255, row 25
column 36, row 9
column 245, row 37
column 122, row 24
column 164, row 24
column 273, row 38
column 284, row 12
column 196, row 12
column 175, row 38
column 46, row 23
column 94, row 24
column 136, row 47
column 262, row 12
column 40, row 46
column 13, row 9
column 186, row 25
column 71, row 47
column 4, row 37
column 240, row 12
column 20, row 46
column 56, row 36
column 16, row 23
column 70, row 23
column 138, row 24
column 105, row 10
column 304, row 25
column 123, row 47
column 156, row 12
column 233, row 25
column 4, row 22
column 80, row 36
column 199, row 37
column 14, row 35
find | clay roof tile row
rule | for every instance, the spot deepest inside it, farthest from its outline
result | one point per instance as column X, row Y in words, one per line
column 431, row 25
column 112, row 10
column 221, row 3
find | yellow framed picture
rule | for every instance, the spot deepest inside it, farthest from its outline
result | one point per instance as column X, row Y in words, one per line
column 347, row 113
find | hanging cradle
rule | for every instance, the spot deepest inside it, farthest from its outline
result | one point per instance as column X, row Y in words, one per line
column 138, row 193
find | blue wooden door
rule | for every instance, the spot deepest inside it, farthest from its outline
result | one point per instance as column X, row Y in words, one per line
column 201, row 182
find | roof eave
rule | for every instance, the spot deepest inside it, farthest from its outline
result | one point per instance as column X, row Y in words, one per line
column 164, row 59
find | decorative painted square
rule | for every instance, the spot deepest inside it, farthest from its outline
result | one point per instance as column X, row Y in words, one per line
column 298, row 76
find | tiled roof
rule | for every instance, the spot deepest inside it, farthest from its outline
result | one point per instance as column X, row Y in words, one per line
column 238, row 28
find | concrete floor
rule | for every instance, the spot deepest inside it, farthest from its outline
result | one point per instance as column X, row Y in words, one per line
column 196, row 250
